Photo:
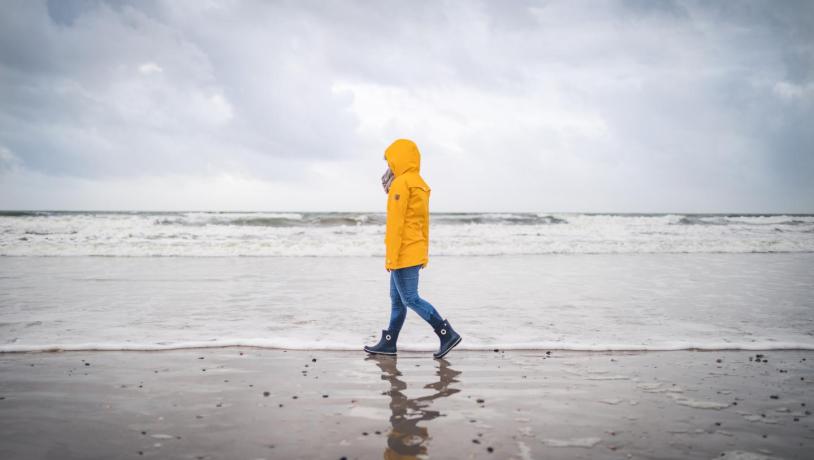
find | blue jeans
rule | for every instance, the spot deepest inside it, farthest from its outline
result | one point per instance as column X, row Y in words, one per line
column 404, row 292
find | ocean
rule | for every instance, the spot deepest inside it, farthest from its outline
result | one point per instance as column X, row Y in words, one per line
column 163, row 280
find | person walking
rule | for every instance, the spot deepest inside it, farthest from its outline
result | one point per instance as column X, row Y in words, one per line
column 407, row 244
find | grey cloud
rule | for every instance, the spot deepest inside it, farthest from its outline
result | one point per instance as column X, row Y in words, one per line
column 686, row 90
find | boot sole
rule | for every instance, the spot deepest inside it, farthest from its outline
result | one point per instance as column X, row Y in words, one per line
column 380, row 352
column 448, row 349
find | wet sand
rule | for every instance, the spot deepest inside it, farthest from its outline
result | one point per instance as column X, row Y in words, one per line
column 248, row 403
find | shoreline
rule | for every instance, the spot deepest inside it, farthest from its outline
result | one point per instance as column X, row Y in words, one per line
column 245, row 402
column 24, row 349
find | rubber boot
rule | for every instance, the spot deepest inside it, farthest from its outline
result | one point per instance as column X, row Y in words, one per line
column 449, row 339
column 386, row 345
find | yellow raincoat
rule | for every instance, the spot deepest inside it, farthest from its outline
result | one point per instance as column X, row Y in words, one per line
column 408, row 208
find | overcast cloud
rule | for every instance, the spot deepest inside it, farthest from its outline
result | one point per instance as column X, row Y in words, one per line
column 622, row 106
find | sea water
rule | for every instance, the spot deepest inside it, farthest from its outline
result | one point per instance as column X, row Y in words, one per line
column 140, row 280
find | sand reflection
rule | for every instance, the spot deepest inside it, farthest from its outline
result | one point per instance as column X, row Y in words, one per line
column 406, row 439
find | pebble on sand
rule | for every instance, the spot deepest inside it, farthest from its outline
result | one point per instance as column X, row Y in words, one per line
column 266, row 393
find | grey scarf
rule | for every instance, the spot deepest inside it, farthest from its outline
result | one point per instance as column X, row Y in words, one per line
column 387, row 179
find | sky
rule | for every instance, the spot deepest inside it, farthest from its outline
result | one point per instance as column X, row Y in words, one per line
column 539, row 106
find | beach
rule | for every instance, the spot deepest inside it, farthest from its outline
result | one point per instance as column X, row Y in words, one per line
column 243, row 402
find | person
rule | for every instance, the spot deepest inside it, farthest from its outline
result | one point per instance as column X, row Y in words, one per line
column 407, row 244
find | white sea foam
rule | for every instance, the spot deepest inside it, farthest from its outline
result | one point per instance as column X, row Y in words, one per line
column 360, row 234
column 619, row 302
column 293, row 344
column 573, row 442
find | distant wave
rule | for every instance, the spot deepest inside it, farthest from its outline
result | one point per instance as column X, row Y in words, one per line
column 741, row 220
column 339, row 346
column 327, row 234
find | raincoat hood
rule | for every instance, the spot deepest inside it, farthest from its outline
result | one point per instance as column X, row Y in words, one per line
column 402, row 157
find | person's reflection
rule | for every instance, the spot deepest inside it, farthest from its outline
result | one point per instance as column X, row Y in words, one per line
column 407, row 440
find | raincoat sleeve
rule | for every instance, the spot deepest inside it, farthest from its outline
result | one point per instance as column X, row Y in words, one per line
column 396, row 209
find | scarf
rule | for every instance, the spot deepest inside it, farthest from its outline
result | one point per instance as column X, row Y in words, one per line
column 387, row 179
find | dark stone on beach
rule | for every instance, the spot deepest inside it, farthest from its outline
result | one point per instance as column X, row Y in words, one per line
column 765, row 360
column 313, row 360
column 490, row 449
column 364, row 433
column 796, row 419
column 203, row 370
column 324, row 396
column 87, row 364
column 479, row 401
column 140, row 453
column 143, row 432
column 496, row 350
column 548, row 352
column 251, row 385
column 280, row 405
column 774, row 397
column 719, row 360
column 475, row 441
column 734, row 403
column 266, row 393
column 241, row 353
column 751, row 359
column 378, row 432
column 294, row 397
column 343, row 458
column 199, row 416
column 200, row 357
column 717, row 423
column 218, row 405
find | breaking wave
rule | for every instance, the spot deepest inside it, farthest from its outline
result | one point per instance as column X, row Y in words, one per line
column 310, row 234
